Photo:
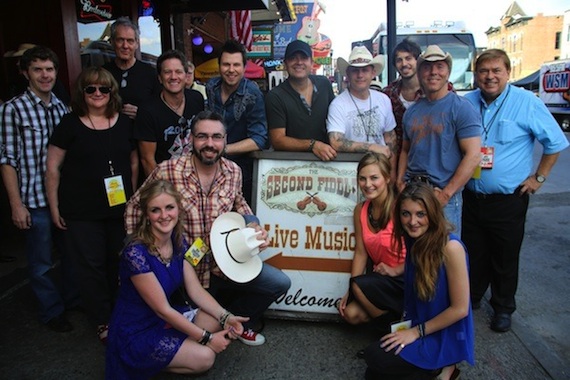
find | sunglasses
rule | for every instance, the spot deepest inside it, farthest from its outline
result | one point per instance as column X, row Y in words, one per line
column 124, row 79
column 102, row 89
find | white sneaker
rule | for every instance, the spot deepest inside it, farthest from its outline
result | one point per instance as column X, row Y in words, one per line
column 251, row 338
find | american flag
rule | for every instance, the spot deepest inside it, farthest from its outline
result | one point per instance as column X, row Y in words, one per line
column 241, row 28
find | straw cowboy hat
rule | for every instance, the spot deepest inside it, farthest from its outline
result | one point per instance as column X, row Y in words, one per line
column 360, row 57
column 434, row 53
column 21, row 50
column 235, row 247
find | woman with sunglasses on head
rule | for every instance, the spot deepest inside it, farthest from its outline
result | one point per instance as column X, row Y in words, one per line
column 147, row 334
column 381, row 289
column 436, row 296
column 92, row 166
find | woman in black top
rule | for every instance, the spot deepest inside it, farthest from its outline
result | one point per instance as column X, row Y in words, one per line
column 92, row 166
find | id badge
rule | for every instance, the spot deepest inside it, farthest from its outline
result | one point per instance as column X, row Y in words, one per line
column 487, row 157
column 196, row 252
column 115, row 190
column 399, row 326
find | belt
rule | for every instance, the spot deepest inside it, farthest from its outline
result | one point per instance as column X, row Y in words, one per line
column 486, row 196
column 420, row 178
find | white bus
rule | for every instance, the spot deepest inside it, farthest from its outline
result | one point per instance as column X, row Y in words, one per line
column 452, row 37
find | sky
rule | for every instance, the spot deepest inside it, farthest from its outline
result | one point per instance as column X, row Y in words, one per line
column 344, row 24
column 345, row 21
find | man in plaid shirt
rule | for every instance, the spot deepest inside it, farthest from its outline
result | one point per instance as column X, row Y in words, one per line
column 26, row 124
column 210, row 185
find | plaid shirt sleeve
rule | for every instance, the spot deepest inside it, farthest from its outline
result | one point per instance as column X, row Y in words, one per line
column 9, row 136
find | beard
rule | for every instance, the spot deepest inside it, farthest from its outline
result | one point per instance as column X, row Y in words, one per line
column 209, row 161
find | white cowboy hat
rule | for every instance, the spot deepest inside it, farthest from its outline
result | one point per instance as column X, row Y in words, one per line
column 434, row 53
column 235, row 247
column 360, row 57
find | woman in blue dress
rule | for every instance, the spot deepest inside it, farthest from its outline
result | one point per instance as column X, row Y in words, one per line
column 436, row 296
column 147, row 334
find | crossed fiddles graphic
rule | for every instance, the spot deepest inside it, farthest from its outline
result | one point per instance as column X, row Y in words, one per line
column 302, row 204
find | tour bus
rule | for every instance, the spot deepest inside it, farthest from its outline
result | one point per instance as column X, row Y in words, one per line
column 451, row 37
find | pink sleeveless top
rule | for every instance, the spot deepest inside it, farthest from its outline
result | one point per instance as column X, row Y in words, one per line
column 378, row 245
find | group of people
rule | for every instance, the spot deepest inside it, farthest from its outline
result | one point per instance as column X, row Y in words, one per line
column 151, row 157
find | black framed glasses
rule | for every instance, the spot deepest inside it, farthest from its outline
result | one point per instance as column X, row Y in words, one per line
column 203, row 137
column 124, row 79
column 102, row 89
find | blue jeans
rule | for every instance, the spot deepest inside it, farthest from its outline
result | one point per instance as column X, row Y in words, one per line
column 453, row 211
column 252, row 298
column 39, row 254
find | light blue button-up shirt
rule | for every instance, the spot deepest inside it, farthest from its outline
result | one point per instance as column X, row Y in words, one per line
column 511, row 124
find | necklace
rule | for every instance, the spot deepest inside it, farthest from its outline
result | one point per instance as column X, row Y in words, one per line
column 93, row 125
column 176, row 108
column 165, row 260
column 373, row 222
column 366, row 124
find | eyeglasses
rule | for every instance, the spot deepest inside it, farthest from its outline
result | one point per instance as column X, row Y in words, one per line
column 203, row 137
column 124, row 79
column 102, row 89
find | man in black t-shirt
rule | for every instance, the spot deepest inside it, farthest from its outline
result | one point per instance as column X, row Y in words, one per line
column 162, row 124
column 137, row 80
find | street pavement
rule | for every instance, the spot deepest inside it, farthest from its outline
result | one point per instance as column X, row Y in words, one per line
column 537, row 347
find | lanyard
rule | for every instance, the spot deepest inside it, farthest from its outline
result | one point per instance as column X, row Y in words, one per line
column 487, row 128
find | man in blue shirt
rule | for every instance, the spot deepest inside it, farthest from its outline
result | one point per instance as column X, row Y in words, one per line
column 496, row 199
column 441, row 137
column 241, row 104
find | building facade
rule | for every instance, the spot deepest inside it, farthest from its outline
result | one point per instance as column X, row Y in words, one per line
column 528, row 40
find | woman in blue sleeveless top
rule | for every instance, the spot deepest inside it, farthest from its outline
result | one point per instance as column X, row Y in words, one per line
column 436, row 296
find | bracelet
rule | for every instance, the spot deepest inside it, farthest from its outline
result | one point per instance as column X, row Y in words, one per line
column 224, row 318
column 311, row 145
column 206, row 337
column 422, row 330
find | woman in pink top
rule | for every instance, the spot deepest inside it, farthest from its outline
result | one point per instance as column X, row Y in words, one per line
column 378, row 289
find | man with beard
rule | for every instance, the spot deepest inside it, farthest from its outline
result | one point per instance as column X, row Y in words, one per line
column 211, row 186
column 137, row 80
column 161, row 126
column 405, row 90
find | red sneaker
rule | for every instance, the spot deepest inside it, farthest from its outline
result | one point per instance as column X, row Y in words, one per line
column 251, row 338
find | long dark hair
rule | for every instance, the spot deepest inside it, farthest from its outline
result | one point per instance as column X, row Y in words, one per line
column 148, row 192
column 428, row 250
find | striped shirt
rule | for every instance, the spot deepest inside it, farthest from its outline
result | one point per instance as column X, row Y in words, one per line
column 201, row 207
column 26, row 124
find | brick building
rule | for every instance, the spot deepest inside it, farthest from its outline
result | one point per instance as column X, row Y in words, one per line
column 528, row 40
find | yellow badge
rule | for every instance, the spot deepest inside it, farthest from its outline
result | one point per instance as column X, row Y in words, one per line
column 196, row 252
column 115, row 190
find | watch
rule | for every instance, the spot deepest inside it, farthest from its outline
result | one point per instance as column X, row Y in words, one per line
column 539, row 178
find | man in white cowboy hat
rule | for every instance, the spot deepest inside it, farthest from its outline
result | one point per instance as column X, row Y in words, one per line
column 211, row 186
column 361, row 120
column 442, row 136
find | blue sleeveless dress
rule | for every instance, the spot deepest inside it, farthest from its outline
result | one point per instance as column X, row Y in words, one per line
column 445, row 347
column 140, row 344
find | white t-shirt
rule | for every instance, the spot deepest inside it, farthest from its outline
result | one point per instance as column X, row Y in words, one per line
column 361, row 120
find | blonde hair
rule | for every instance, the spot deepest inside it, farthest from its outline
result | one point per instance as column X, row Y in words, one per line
column 383, row 163
column 143, row 231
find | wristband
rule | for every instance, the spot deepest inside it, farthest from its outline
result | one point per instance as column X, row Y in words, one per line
column 206, row 337
column 312, row 145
